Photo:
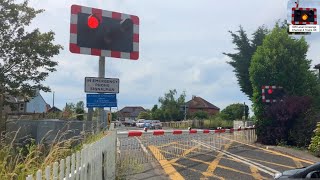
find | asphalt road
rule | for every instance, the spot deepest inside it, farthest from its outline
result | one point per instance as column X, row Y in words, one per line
column 203, row 156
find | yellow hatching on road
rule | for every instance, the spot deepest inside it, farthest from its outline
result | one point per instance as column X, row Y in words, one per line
column 215, row 162
column 255, row 173
column 186, row 152
column 273, row 152
column 167, row 167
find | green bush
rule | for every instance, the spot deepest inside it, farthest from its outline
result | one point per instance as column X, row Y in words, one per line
column 314, row 146
column 217, row 121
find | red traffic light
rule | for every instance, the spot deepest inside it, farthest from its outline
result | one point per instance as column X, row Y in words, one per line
column 270, row 91
column 93, row 22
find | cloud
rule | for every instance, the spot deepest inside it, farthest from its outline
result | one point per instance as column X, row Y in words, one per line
column 181, row 44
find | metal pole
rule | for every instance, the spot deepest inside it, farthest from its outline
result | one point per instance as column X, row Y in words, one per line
column 185, row 112
column 100, row 119
column 244, row 114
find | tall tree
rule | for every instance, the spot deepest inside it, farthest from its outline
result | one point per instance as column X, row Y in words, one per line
column 144, row 115
column 170, row 105
column 156, row 113
column 68, row 110
column 25, row 57
column 79, row 110
column 281, row 61
column 241, row 60
column 235, row 111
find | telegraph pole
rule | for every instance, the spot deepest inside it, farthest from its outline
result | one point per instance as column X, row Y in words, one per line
column 185, row 112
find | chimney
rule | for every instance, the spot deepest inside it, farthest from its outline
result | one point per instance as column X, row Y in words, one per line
column 193, row 96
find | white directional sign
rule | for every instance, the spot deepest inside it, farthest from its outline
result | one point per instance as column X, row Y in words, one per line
column 304, row 28
column 101, row 85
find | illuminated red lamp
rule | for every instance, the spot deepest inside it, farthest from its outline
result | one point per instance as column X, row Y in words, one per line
column 93, row 22
column 270, row 91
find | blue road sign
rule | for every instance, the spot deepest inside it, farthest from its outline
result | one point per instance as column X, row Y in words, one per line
column 101, row 100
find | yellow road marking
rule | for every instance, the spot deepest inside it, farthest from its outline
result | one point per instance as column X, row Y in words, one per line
column 169, row 144
column 297, row 163
column 255, row 173
column 186, row 152
column 234, row 170
column 179, row 148
column 167, row 167
column 213, row 165
column 185, row 167
column 273, row 152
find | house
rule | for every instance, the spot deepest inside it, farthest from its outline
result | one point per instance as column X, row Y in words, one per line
column 54, row 109
column 130, row 113
column 20, row 105
column 199, row 104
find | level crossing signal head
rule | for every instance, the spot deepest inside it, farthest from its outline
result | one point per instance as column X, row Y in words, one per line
column 104, row 33
column 302, row 16
column 272, row 93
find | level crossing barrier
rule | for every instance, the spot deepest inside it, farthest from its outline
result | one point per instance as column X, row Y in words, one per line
column 144, row 147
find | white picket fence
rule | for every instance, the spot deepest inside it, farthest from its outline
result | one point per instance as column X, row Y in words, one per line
column 95, row 161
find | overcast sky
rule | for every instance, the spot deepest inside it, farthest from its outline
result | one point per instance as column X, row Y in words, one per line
column 181, row 46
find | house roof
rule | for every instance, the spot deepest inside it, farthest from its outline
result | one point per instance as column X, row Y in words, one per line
column 54, row 109
column 317, row 66
column 134, row 111
column 198, row 102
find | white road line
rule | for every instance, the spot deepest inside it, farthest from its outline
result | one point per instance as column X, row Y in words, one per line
column 142, row 146
column 242, row 159
column 118, row 145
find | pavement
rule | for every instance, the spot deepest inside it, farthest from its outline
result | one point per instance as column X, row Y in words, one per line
column 201, row 156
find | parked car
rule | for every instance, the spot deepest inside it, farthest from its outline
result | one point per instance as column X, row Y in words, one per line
column 140, row 123
column 129, row 123
column 156, row 124
column 147, row 124
column 312, row 171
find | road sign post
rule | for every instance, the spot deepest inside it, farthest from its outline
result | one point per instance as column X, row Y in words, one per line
column 103, row 33
column 102, row 62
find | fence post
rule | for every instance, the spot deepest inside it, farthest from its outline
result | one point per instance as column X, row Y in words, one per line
column 39, row 175
column 48, row 169
column 62, row 169
column 77, row 165
column 68, row 168
column 73, row 163
column 55, row 171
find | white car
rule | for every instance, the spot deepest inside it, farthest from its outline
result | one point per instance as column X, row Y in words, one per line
column 140, row 123
column 156, row 124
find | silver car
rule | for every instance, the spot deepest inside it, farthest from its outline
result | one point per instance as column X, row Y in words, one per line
column 156, row 124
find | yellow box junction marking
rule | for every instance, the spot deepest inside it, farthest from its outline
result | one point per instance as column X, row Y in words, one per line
column 167, row 167
column 213, row 165
column 255, row 173
column 185, row 167
column 274, row 152
column 186, row 152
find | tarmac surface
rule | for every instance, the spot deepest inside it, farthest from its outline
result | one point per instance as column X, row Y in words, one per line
column 192, row 157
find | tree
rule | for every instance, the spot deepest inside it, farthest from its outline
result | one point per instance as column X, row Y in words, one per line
column 234, row 112
column 144, row 115
column 68, row 110
column 25, row 56
column 79, row 110
column 281, row 60
column 114, row 116
column 156, row 113
column 241, row 60
column 170, row 105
